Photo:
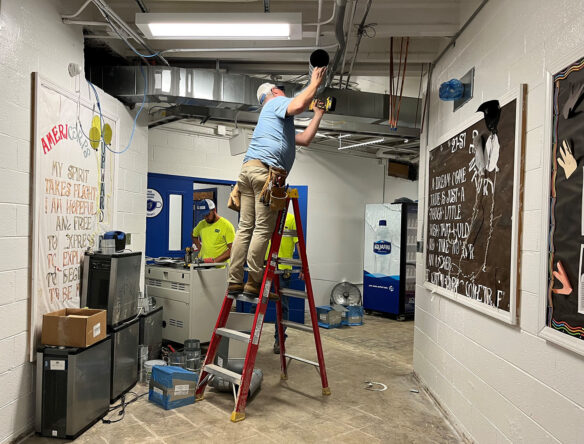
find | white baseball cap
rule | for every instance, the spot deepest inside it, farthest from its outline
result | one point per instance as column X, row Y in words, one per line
column 205, row 205
column 263, row 91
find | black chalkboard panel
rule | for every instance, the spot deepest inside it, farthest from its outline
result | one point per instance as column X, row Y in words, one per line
column 471, row 245
column 566, row 223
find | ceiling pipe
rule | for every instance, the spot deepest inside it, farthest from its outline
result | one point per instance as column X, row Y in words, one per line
column 142, row 6
column 108, row 12
column 340, row 34
column 359, row 36
column 79, row 11
column 348, row 36
column 326, row 22
column 274, row 48
column 318, row 16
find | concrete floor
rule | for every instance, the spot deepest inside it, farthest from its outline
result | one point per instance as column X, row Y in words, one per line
column 294, row 411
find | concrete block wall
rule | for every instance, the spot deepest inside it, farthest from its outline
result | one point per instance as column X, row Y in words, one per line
column 33, row 39
column 339, row 187
column 498, row 382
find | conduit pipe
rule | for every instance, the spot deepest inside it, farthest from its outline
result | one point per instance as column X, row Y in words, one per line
column 106, row 11
column 359, row 36
column 274, row 48
column 102, row 6
column 340, row 34
column 326, row 22
column 318, row 22
column 348, row 36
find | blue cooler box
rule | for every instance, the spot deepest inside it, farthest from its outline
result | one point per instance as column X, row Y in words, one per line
column 172, row 387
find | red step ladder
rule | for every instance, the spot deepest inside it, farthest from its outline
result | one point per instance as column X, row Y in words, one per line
column 211, row 370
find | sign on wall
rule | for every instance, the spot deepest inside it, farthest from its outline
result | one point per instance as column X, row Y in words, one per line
column 73, row 195
column 565, row 271
column 473, row 209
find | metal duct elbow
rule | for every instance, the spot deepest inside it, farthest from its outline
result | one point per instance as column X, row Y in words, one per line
column 318, row 59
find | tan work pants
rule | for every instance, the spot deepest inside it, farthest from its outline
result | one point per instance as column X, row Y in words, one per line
column 256, row 225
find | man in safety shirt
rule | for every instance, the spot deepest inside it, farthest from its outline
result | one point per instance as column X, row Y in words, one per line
column 272, row 148
column 214, row 235
column 287, row 247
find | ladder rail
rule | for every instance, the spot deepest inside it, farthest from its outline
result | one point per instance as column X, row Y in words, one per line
column 308, row 284
column 212, row 350
column 256, row 330
column 280, row 327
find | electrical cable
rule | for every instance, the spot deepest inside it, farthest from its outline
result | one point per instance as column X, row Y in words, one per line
column 135, row 118
column 123, row 404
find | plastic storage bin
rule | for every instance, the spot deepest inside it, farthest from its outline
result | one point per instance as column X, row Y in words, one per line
column 328, row 317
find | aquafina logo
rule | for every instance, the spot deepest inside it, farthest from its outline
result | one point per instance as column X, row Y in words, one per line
column 382, row 247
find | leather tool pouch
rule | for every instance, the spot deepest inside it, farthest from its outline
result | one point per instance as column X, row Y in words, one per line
column 234, row 201
column 278, row 198
column 274, row 189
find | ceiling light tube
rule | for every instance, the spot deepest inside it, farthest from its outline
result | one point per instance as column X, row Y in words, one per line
column 217, row 26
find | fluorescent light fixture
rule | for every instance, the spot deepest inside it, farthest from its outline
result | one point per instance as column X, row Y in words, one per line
column 356, row 145
column 217, row 26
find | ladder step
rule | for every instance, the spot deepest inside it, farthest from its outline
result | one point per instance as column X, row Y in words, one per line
column 293, row 293
column 290, row 261
column 297, row 326
column 224, row 373
column 233, row 334
column 290, row 233
column 306, row 361
column 278, row 271
column 243, row 298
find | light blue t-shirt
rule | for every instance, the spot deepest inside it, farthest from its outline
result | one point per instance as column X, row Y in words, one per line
column 273, row 140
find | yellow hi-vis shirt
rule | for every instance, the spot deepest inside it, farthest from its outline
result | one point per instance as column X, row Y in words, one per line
column 287, row 243
column 214, row 237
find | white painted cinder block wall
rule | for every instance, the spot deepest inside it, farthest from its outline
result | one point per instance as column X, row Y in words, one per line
column 32, row 38
column 502, row 383
column 339, row 186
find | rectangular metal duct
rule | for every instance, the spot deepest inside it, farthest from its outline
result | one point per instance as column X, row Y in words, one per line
column 211, row 89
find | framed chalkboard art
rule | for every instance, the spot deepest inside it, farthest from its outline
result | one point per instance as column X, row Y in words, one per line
column 473, row 210
column 563, row 230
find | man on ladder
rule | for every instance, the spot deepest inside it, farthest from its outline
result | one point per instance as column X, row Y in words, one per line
column 264, row 203
column 268, row 161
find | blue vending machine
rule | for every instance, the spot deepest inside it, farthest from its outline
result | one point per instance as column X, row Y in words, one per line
column 389, row 263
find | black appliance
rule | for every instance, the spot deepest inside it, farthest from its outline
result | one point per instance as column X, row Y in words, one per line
column 72, row 388
column 119, row 239
column 112, row 282
column 151, row 332
column 124, row 350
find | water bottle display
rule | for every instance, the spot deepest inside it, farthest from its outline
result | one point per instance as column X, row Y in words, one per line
column 382, row 248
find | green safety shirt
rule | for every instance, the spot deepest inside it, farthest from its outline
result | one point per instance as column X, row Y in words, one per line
column 215, row 237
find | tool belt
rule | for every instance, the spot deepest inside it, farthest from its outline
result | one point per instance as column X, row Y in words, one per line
column 234, row 201
column 274, row 192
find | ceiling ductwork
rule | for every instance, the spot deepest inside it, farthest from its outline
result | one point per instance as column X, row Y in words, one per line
column 212, row 94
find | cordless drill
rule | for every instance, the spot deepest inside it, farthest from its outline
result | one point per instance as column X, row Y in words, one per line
column 327, row 104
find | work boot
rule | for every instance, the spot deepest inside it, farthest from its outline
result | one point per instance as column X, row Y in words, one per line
column 252, row 288
column 276, row 347
column 235, row 288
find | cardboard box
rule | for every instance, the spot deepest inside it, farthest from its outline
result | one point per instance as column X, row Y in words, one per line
column 172, row 387
column 74, row 327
